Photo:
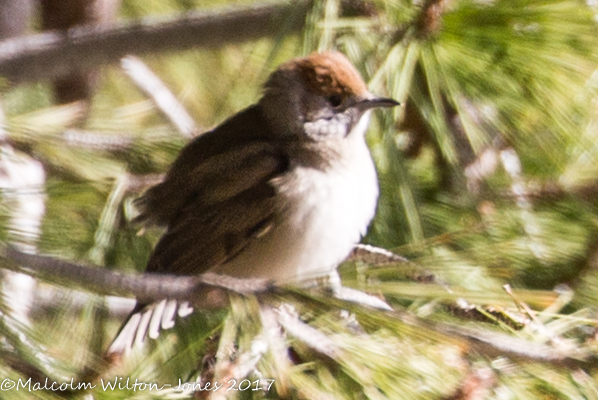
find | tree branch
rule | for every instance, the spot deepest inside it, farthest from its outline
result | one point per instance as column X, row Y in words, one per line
column 53, row 54
column 209, row 291
column 206, row 291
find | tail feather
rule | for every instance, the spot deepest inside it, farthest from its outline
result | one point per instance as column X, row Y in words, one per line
column 147, row 320
column 153, row 331
column 142, row 328
column 124, row 340
column 169, row 314
column 185, row 309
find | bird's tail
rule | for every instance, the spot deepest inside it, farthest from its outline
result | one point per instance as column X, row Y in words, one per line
column 146, row 320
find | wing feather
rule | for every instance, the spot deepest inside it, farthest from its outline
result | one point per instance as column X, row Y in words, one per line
column 232, row 205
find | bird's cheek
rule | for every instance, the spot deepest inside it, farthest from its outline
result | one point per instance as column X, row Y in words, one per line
column 336, row 127
column 325, row 129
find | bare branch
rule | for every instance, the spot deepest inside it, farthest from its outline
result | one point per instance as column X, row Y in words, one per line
column 54, row 54
column 206, row 291
column 164, row 99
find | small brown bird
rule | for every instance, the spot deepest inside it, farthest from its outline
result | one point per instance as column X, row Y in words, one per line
column 282, row 190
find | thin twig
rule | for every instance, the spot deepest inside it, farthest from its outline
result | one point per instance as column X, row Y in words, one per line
column 164, row 99
column 375, row 256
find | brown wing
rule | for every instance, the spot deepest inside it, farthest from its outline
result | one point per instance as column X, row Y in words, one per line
column 232, row 201
column 160, row 204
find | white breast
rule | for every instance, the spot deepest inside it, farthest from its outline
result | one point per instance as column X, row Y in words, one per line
column 328, row 211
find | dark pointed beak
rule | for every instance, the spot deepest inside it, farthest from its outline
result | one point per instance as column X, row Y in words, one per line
column 374, row 102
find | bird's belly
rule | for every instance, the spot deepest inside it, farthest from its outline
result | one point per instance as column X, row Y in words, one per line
column 326, row 213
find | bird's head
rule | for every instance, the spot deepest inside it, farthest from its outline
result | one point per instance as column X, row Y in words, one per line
column 318, row 97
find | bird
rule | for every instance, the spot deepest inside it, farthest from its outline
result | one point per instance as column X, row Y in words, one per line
column 282, row 190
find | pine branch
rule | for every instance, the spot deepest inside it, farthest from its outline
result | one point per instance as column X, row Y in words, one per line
column 53, row 54
column 484, row 342
column 209, row 291
column 206, row 291
column 493, row 344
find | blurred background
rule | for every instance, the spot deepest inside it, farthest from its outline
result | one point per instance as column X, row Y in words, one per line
column 488, row 174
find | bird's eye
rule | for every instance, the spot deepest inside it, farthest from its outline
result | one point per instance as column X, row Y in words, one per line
column 335, row 100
